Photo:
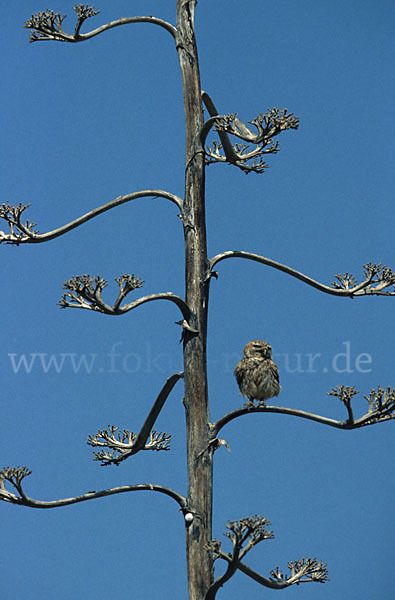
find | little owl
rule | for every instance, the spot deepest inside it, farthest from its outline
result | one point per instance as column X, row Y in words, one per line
column 257, row 374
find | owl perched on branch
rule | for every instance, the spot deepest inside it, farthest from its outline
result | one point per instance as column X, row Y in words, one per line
column 257, row 374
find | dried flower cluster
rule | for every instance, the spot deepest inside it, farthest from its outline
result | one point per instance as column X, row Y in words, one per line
column 381, row 404
column 268, row 125
column 375, row 273
column 84, row 11
column 47, row 25
column 244, row 535
column 345, row 281
column 121, row 445
column 15, row 476
column 344, row 393
column 19, row 231
column 252, row 529
column 85, row 291
column 307, row 569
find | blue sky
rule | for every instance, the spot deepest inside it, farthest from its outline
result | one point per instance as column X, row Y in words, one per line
column 82, row 124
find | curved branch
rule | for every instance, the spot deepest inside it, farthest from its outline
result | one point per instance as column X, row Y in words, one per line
column 369, row 418
column 223, row 136
column 381, row 408
column 362, row 289
column 30, row 502
column 155, row 410
column 231, row 569
column 317, row 567
column 135, row 442
column 109, row 310
column 48, row 26
column 84, row 291
column 184, row 308
column 244, row 535
column 31, row 237
column 126, row 21
column 220, row 423
column 274, row 585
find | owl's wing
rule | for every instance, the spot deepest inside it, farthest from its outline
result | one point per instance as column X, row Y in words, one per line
column 239, row 373
column 274, row 370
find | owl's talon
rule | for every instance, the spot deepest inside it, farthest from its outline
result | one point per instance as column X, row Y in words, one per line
column 249, row 404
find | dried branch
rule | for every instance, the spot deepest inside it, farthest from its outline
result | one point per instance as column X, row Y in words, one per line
column 230, row 153
column 244, row 535
column 306, row 570
column 118, row 449
column 85, row 291
column 268, row 125
column 381, row 409
column 15, row 476
column 47, row 25
column 377, row 274
column 23, row 233
column 121, row 445
column 156, row 408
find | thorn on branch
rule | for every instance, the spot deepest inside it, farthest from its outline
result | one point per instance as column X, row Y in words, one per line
column 121, row 444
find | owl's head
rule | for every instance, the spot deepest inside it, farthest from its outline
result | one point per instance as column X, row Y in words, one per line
column 257, row 348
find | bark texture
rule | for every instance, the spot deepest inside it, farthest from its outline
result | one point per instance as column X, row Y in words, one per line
column 199, row 453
